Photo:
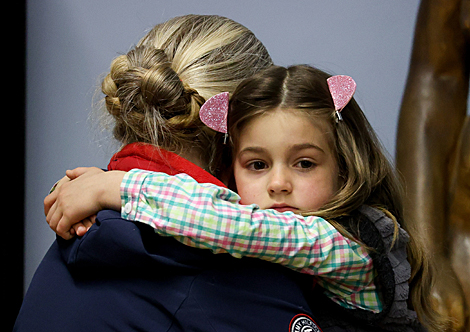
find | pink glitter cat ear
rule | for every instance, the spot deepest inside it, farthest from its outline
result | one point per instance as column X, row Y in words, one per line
column 214, row 112
column 342, row 89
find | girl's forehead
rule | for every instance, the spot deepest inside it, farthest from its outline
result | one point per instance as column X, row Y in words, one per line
column 280, row 125
column 301, row 117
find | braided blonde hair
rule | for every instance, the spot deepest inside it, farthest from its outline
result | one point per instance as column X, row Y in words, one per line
column 155, row 91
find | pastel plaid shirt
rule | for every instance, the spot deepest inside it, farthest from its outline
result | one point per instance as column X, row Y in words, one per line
column 210, row 217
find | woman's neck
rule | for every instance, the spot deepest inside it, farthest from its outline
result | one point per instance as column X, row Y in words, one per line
column 194, row 155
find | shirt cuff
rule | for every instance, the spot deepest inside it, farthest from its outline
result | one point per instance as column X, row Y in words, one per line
column 131, row 187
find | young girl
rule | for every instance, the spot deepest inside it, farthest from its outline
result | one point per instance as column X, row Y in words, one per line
column 292, row 152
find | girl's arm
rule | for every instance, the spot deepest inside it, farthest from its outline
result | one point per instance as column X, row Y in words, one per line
column 207, row 216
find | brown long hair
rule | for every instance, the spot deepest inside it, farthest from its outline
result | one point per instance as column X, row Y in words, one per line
column 366, row 174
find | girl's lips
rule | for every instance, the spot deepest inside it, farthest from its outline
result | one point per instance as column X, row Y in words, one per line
column 283, row 208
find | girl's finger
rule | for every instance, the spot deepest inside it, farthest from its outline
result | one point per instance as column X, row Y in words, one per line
column 76, row 172
column 63, row 230
column 53, row 193
column 49, row 201
column 80, row 228
column 51, row 217
column 79, row 171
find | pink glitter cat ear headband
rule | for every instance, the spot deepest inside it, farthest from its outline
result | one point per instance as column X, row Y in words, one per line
column 215, row 110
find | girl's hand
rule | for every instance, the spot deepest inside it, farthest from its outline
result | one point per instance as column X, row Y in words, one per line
column 91, row 190
column 79, row 228
column 83, row 226
column 59, row 183
column 75, row 173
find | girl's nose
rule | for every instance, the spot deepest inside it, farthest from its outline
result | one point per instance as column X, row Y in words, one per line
column 279, row 183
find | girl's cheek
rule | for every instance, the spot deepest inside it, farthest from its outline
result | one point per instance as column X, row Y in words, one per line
column 247, row 196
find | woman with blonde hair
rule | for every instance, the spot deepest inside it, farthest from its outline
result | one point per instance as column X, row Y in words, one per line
column 121, row 275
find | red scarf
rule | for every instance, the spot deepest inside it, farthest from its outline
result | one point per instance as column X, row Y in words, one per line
column 149, row 157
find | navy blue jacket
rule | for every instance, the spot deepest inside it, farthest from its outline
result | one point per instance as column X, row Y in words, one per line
column 121, row 276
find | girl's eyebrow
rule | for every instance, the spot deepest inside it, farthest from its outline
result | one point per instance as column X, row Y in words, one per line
column 305, row 146
column 295, row 147
column 254, row 149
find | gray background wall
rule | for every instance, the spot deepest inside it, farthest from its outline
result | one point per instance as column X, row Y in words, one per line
column 70, row 45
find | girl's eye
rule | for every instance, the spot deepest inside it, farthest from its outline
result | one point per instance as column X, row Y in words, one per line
column 306, row 164
column 257, row 165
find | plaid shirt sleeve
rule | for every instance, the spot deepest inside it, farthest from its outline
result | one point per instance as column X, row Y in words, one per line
column 209, row 217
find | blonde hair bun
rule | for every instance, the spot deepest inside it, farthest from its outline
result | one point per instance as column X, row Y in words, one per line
column 143, row 80
column 155, row 91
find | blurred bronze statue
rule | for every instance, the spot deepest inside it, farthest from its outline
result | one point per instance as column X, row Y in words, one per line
column 433, row 149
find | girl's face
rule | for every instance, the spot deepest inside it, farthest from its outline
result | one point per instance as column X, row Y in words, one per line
column 284, row 162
